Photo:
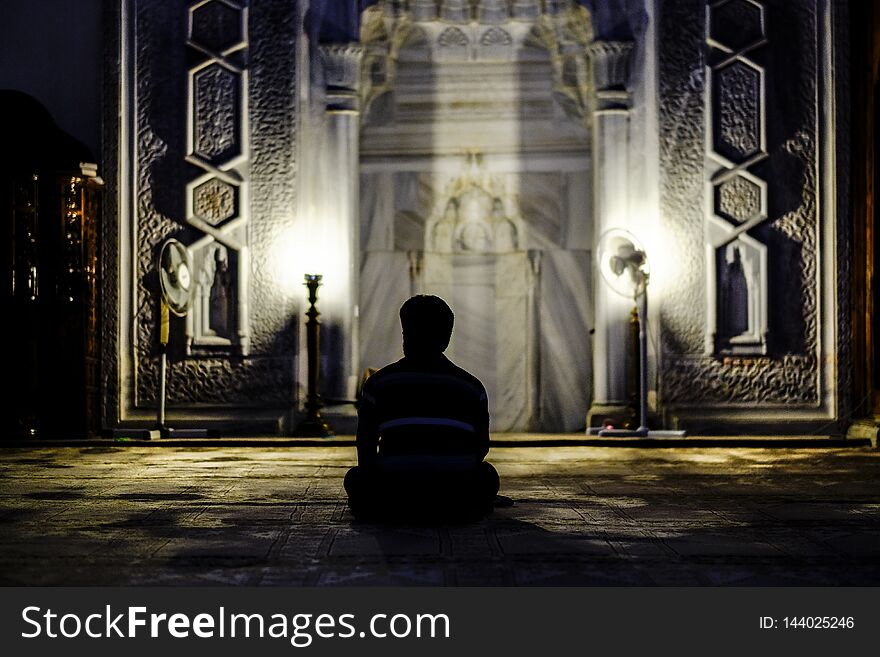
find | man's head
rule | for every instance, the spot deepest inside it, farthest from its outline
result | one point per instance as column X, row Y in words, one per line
column 427, row 325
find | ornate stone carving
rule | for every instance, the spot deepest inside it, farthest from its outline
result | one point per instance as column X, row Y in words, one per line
column 565, row 35
column 213, row 307
column 495, row 36
column 610, row 68
column 272, row 103
column 568, row 37
column 741, row 382
column 681, row 85
column 839, row 188
column 738, row 111
column 736, row 24
column 111, row 279
column 342, row 74
column 255, row 382
column 215, row 127
column 214, row 201
column 610, row 61
column 218, row 146
column 738, row 321
column 475, row 215
column 452, row 37
column 740, row 199
column 415, row 37
column 265, row 378
column 342, row 65
column 741, row 297
column 789, row 376
column 216, row 25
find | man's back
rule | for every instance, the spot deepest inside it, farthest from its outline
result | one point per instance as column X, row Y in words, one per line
column 423, row 428
column 423, row 406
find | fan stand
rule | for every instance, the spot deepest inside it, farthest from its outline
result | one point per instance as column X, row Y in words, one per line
column 164, row 430
column 175, row 297
column 643, row 431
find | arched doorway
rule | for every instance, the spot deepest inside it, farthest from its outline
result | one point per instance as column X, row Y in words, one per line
column 475, row 185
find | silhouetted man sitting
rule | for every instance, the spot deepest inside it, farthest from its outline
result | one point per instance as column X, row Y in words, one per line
column 423, row 429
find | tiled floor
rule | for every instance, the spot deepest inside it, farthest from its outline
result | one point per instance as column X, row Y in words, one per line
column 583, row 516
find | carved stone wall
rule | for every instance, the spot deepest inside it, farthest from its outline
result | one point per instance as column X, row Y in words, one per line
column 215, row 165
column 394, row 32
column 111, row 320
column 841, row 318
column 743, row 100
column 771, row 60
column 736, row 107
column 217, row 198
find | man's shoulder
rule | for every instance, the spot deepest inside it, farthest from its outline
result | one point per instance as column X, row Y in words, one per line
column 407, row 372
column 391, row 368
column 463, row 374
column 381, row 376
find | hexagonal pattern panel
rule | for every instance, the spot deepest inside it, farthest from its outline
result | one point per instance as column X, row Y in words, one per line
column 215, row 113
column 738, row 199
column 736, row 24
column 214, row 201
column 216, row 26
column 737, row 116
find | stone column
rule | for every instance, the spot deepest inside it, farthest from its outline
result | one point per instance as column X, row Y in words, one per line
column 341, row 64
column 610, row 63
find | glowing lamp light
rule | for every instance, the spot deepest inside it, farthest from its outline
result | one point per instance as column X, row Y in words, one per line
column 623, row 263
column 304, row 248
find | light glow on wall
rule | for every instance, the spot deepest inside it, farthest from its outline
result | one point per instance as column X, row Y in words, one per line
column 660, row 247
column 309, row 246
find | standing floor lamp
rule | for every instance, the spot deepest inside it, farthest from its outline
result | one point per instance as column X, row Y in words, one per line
column 624, row 267
column 313, row 425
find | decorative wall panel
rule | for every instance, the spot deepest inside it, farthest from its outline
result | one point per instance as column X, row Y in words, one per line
column 738, row 82
column 737, row 289
column 217, row 144
column 215, row 119
column 479, row 31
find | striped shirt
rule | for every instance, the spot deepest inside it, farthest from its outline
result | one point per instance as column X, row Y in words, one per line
column 425, row 406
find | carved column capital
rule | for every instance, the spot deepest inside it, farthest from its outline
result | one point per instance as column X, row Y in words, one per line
column 341, row 63
column 610, row 67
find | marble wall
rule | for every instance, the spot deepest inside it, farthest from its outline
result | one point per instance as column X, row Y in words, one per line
column 523, row 316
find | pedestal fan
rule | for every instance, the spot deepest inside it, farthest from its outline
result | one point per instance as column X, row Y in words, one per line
column 623, row 264
column 175, row 281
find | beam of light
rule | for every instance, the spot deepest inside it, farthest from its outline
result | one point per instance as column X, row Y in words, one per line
column 310, row 246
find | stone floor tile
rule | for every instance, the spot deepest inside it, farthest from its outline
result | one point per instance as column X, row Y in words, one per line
column 582, row 516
